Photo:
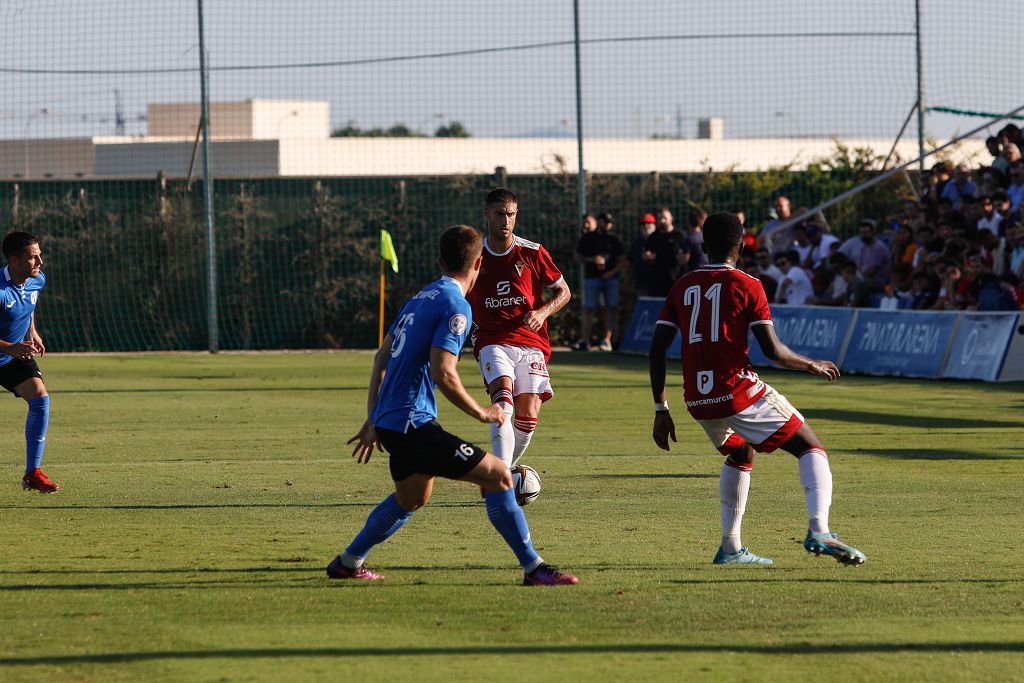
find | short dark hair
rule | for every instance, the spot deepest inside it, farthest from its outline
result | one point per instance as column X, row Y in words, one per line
column 17, row 242
column 605, row 216
column 500, row 195
column 722, row 233
column 459, row 246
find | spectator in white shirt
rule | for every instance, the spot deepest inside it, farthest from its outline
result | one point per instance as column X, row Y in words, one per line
column 796, row 287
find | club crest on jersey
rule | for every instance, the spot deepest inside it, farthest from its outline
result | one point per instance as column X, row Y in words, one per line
column 33, row 297
column 458, row 323
column 519, row 267
column 705, row 381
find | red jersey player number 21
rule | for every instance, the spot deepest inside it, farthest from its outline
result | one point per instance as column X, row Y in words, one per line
column 510, row 312
column 714, row 308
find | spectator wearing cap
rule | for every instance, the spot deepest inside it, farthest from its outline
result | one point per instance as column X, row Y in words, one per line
column 639, row 267
column 749, row 241
column 603, row 258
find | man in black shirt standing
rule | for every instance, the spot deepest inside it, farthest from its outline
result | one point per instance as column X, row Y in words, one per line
column 668, row 252
column 603, row 258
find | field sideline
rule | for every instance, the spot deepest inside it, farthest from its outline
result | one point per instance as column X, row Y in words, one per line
column 203, row 496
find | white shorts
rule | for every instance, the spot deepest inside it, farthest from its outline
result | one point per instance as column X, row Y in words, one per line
column 524, row 365
column 766, row 424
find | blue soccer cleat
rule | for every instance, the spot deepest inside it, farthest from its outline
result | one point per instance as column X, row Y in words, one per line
column 827, row 543
column 741, row 556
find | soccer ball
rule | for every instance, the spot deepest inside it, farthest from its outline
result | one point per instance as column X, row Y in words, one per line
column 526, row 483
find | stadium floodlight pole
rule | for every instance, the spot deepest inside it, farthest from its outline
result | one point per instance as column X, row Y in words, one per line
column 211, row 250
column 582, row 183
column 882, row 177
column 920, row 86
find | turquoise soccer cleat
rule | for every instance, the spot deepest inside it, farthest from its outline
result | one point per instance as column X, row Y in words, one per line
column 741, row 556
column 828, row 543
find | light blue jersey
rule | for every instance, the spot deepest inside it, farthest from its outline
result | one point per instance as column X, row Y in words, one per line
column 440, row 316
column 17, row 304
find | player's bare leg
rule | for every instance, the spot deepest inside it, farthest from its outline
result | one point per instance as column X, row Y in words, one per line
column 527, row 412
column 503, row 439
column 733, row 487
column 816, row 479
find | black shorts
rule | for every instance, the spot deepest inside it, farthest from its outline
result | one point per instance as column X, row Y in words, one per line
column 429, row 450
column 16, row 372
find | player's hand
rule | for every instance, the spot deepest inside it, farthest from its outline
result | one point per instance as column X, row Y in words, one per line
column 534, row 320
column 24, row 350
column 38, row 342
column 824, row 368
column 492, row 413
column 664, row 428
column 365, row 440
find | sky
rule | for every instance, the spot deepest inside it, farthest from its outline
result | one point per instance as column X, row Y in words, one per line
column 770, row 68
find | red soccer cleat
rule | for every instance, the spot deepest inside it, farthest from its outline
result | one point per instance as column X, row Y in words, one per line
column 36, row 480
column 548, row 575
column 336, row 570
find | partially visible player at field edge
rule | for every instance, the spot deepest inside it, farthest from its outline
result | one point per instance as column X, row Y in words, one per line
column 21, row 281
column 421, row 350
column 713, row 308
column 511, row 339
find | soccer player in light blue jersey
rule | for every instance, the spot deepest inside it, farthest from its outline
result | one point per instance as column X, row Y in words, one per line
column 21, row 281
column 421, row 351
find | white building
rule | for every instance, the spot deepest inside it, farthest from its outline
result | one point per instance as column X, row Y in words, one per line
column 271, row 138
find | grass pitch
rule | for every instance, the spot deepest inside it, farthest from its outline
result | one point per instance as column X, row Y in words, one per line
column 203, row 497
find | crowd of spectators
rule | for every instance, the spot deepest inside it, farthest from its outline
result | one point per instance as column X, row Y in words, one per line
column 959, row 246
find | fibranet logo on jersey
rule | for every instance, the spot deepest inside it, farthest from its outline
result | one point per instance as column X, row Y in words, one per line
column 502, row 302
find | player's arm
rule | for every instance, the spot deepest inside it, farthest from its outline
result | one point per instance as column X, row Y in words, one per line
column 664, row 427
column 445, row 374
column 366, row 439
column 780, row 354
column 535, row 319
column 34, row 337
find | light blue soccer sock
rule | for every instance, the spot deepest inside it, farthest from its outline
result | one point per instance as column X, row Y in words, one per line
column 383, row 522
column 35, row 431
column 508, row 518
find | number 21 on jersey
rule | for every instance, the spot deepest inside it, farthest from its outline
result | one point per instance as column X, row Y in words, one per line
column 692, row 297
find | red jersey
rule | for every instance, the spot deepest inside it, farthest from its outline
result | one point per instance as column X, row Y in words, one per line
column 511, row 284
column 714, row 308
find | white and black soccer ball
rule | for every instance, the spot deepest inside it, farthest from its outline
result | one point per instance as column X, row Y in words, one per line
column 526, row 483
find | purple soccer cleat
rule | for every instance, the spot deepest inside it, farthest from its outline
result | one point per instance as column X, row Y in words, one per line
column 548, row 575
column 336, row 570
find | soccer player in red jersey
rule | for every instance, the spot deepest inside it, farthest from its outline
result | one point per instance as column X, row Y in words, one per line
column 511, row 339
column 713, row 308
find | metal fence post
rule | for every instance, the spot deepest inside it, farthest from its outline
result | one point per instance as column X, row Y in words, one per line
column 920, row 85
column 211, row 247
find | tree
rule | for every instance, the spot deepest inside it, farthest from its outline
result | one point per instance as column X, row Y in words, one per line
column 398, row 130
column 452, row 130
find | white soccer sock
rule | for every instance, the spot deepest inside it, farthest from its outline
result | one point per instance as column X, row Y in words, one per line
column 733, row 486
column 816, row 478
column 523, row 428
column 502, row 438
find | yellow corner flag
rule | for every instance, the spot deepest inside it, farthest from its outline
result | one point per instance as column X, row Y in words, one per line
column 387, row 250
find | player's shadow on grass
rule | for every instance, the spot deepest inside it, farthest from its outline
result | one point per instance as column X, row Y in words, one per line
column 930, row 454
column 502, row 651
column 674, row 475
column 916, row 421
column 219, row 506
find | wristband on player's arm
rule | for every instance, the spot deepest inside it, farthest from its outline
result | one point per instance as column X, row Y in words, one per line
column 661, row 407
